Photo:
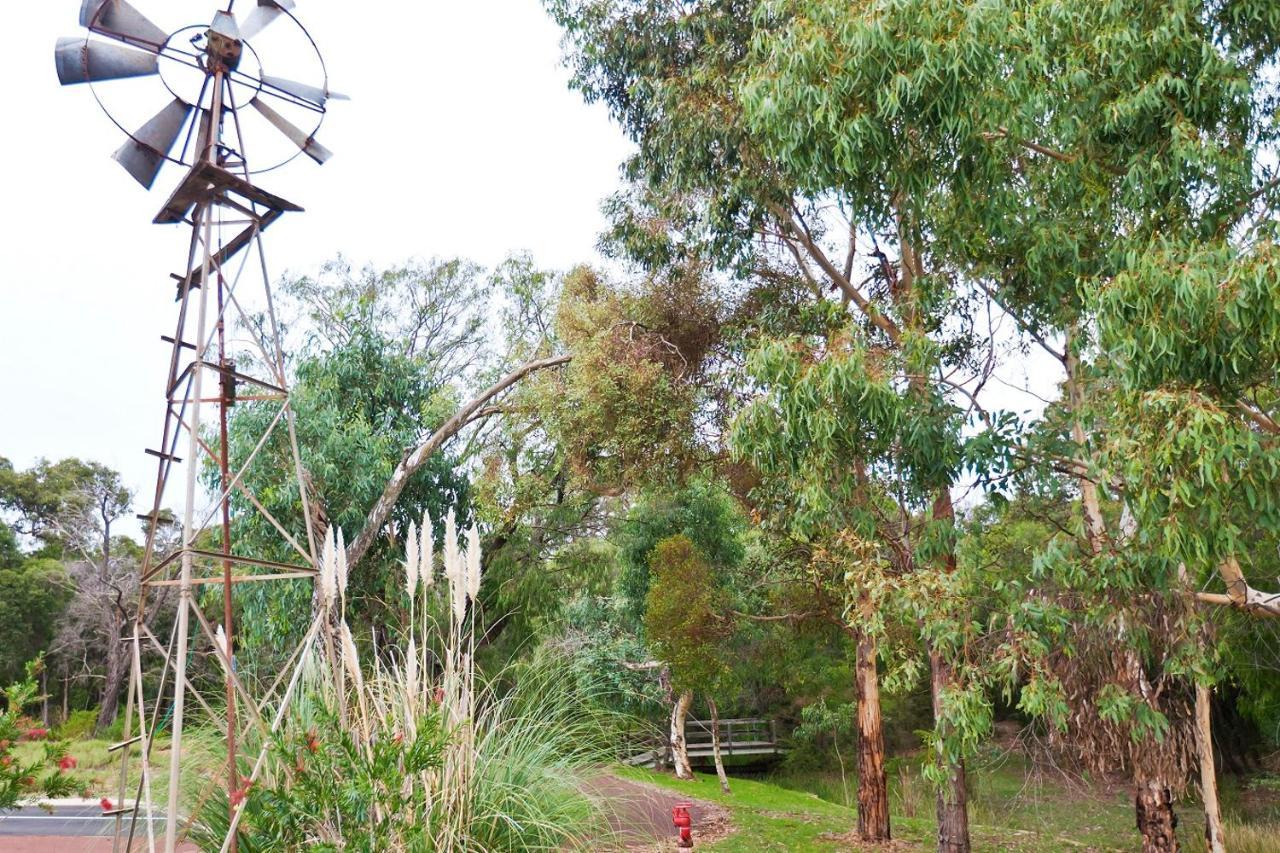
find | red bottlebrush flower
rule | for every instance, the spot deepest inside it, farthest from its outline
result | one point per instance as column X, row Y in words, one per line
column 106, row 804
column 398, row 738
column 67, row 762
column 313, row 740
column 27, row 781
column 6, row 760
column 237, row 797
column 36, row 734
column 5, row 744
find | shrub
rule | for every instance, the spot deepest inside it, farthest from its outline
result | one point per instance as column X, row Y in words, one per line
column 25, row 781
column 78, row 725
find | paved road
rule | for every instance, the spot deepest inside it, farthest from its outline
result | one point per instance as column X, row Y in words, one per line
column 69, row 827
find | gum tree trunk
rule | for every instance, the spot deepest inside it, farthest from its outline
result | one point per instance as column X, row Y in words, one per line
column 1213, row 835
column 1153, row 804
column 114, row 681
column 952, row 801
column 873, row 781
column 715, row 745
column 679, row 749
column 952, row 798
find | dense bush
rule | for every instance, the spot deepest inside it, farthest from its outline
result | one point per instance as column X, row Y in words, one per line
column 78, row 725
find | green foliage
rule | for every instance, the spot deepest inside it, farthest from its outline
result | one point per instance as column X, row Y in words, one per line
column 621, row 411
column 33, row 595
column 11, row 556
column 25, row 781
column 830, row 407
column 1194, row 342
column 536, row 747
column 357, row 406
column 60, row 502
column 703, row 512
column 329, row 789
column 78, row 725
column 684, row 618
column 606, row 654
column 331, row 781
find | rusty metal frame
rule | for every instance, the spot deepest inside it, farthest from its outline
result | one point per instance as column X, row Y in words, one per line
column 227, row 215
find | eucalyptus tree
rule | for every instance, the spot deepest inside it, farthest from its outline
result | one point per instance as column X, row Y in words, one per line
column 725, row 101
column 685, row 624
column 1137, row 234
column 1027, row 152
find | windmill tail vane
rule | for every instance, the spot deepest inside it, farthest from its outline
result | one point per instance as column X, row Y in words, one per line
column 215, row 112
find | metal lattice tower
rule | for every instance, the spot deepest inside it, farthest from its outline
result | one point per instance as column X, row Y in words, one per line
column 221, row 102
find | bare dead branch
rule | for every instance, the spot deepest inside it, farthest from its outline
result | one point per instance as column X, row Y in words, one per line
column 418, row 457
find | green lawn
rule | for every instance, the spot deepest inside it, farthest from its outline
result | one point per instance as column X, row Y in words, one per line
column 1010, row 809
column 98, row 770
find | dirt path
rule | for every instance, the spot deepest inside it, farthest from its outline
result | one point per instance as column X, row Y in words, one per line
column 640, row 815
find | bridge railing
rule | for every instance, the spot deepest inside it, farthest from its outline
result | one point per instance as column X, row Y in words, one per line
column 742, row 735
column 738, row 736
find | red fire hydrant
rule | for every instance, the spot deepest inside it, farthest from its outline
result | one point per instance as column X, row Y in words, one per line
column 684, row 823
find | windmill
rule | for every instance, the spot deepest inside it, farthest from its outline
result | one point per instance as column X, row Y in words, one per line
column 218, row 114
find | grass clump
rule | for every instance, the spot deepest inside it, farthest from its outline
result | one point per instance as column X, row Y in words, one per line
column 414, row 751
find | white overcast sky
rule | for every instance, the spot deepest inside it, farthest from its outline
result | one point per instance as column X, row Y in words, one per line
column 461, row 138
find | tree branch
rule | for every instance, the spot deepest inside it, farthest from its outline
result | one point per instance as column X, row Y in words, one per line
column 1261, row 419
column 872, row 313
column 419, row 455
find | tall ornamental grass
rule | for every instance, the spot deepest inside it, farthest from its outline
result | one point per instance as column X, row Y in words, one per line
column 408, row 749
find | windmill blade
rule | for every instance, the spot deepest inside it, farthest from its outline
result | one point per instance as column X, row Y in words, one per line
column 314, row 94
column 308, row 144
column 88, row 61
column 118, row 19
column 263, row 15
column 144, row 154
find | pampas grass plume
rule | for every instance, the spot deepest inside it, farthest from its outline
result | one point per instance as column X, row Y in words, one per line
column 342, row 564
column 473, row 563
column 427, row 571
column 411, row 668
column 452, row 564
column 411, row 561
column 350, row 656
column 328, row 569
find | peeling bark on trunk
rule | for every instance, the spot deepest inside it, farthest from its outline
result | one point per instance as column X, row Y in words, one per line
column 873, row 781
column 679, row 749
column 715, row 745
column 952, row 800
column 1208, row 774
column 1095, row 525
column 1153, row 803
column 114, row 681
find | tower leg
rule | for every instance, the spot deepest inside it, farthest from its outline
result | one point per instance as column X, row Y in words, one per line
column 185, row 602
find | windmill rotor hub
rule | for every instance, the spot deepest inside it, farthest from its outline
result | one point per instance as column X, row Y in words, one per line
column 186, row 81
column 223, row 46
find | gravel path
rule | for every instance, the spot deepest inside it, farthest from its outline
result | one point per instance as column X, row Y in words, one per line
column 640, row 815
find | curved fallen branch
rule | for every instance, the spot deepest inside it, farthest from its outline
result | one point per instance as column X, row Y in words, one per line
column 415, row 459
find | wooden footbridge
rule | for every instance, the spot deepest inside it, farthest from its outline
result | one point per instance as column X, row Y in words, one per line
column 745, row 736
